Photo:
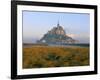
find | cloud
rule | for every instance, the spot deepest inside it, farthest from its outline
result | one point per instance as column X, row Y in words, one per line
column 82, row 38
column 72, row 35
column 78, row 35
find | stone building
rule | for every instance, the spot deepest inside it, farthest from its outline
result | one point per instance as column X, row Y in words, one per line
column 56, row 35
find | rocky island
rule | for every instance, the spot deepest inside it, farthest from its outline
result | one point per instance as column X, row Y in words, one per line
column 56, row 35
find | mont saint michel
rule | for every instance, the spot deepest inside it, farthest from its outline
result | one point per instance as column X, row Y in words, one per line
column 41, row 54
column 57, row 35
column 48, row 41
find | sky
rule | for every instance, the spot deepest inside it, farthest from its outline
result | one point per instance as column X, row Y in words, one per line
column 36, row 24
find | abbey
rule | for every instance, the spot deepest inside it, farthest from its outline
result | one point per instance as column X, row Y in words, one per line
column 57, row 30
column 56, row 35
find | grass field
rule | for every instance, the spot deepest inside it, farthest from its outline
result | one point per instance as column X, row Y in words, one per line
column 45, row 56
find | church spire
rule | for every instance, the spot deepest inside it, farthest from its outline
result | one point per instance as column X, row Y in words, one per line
column 58, row 24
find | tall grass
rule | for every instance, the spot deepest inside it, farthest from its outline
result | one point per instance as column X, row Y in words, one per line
column 44, row 56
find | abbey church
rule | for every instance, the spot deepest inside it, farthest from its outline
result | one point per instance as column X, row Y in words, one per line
column 56, row 35
column 57, row 30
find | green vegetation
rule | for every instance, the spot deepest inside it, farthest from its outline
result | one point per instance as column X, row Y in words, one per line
column 45, row 56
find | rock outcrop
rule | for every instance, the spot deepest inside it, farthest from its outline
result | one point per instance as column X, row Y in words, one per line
column 57, row 35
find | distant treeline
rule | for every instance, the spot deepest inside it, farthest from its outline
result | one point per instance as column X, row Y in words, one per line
column 32, row 44
column 45, row 44
column 79, row 44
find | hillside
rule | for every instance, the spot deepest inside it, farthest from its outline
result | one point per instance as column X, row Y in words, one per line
column 56, row 35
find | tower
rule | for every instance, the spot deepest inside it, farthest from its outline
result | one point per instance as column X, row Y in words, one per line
column 58, row 24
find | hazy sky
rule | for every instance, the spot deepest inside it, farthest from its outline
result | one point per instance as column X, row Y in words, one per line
column 36, row 24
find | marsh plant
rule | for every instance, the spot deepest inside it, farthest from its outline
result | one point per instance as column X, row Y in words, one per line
column 41, row 57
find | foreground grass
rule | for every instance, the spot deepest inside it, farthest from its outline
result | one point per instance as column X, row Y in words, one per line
column 43, row 56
